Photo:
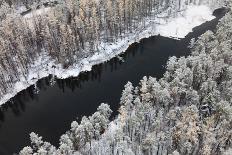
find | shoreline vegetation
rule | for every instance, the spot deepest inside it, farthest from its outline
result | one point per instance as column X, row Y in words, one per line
column 188, row 111
column 72, row 36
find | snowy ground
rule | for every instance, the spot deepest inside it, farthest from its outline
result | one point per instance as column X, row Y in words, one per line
column 178, row 27
column 181, row 26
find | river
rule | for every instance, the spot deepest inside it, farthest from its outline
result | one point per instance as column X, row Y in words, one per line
column 50, row 112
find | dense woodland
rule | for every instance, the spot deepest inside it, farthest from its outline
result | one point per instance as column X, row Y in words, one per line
column 70, row 30
column 188, row 111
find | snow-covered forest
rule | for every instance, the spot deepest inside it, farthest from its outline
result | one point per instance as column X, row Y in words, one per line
column 39, row 37
column 188, row 111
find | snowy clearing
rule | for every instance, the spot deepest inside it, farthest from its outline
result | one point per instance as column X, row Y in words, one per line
column 181, row 26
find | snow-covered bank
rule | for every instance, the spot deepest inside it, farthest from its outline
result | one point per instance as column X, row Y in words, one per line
column 181, row 26
column 193, row 16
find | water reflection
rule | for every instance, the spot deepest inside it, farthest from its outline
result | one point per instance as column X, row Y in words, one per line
column 17, row 105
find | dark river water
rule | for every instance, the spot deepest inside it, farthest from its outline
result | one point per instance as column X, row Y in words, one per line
column 50, row 112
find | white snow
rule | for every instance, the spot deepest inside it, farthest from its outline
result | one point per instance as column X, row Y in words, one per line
column 181, row 26
column 37, row 12
column 178, row 27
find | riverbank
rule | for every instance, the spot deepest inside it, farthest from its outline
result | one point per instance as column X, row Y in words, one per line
column 175, row 28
